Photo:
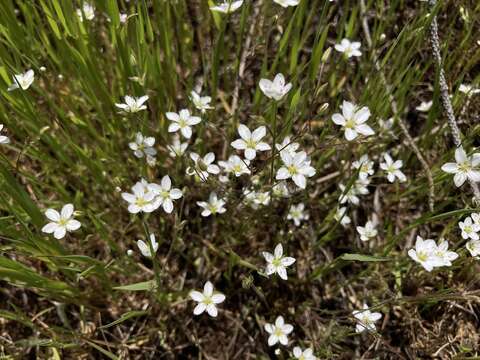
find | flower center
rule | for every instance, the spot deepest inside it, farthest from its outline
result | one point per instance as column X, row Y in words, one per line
column 278, row 332
column 464, row 167
column 350, row 124
column 141, row 202
column 251, row 143
column 62, row 222
column 292, row 170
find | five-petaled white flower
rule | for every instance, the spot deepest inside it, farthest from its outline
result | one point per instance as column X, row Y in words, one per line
column 182, row 121
column 473, row 246
column 61, row 222
column 306, row 354
column 177, row 148
column 364, row 166
column 164, row 193
column 261, row 198
column 278, row 332
column 227, row 6
column 287, row 3
column 3, row 139
column 202, row 103
column 22, row 81
column 424, row 106
column 133, row 104
column 207, row 300
column 275, row 89
column 251, row 142
column 469, row 229
column 143, row 146
column 392, row 168
column 145, row 248
column 368, row 231
column 235, row 165
column 469, row 90
column 203, row 166
column 429, row 255
column 340, row 215
column 349, row 48
column 353, row 120
column 297, row 214
column 297, row 167
column 464, row 168
column 366, row 319
column 141, row 199
column 277, row 263
column 213, row 206
column 288, row 146
column 88, row 10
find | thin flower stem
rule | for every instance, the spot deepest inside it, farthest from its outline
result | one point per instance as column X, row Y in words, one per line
column 274, row 139
column 156, row 268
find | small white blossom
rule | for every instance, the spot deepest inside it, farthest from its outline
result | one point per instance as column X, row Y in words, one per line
column 297, row 214
column 340, row 215
column 261, row 198
column 280, row 190
column 429, row 255
column 164, row 194
column 365, row 166
column 469, row 90
column 202, row 103
column 277, row 263
column 203, row 166
column 227, row 6
column 349, row 48
column 368, row 231
column 213, row 206
column 143, row 146
column 207, row 300
column 275, row 89
column 306, row 354
column 141, row 199
column 465, row 167
column 473, row 246
column 288, row 146
column 235, row 165
column 133, row 104
column 177, row 148
column 22, row 81
column 61, row 222
column 424, row 106
column 360, row 187
column 353, row 120
column 182, row 121
column 145, row 248
column 469, row 229
column 296, row 167
column 251, row 142
column 366, row 319
column 278, row 332
column 392, row 168
column 287, row 3
column 3, row 139
column 444, row 256
column 88, row 10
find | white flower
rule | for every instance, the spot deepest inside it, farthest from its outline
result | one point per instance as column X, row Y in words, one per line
column 61, row 222
column 476, row 218
column 143, row 146
column 280, row 189
column 473, row 246
column 424, row 106
column 340, row 215
column 145, row 248
column 203, row 166
column 297, row 214
column 277, row 263
column 366, row 319
column 469, row 229
column 368, row 231
column 306, row 354
column 358, row 188
column 164, row 193
column 278, row 332
column 141, row 199
column 88, row 10
column 353, row 120
column 22, row 81
column 133, row 104
column 429, row 255
column 183, row 122
column 275, row 89
column 386, row 125
column 261, row 198
column 365, row 166
column 464, row 168
column 286, row 3
column 3, row 139
column 349, row 48
column 444, row 256
column 235, row 165
column 207, row 300
column 213, row 206
column 251, row 142
column 392, row 168
column 297, row 167
column 177, row 148
column 469, row 90
column 123, row 18
column 202, row 103
column 227, row 6
column 288, row 146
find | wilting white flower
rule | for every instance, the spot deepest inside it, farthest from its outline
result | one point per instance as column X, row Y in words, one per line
column 22, row 81
column 366, row 319
column 288, row 146
column 183, row 122
column 213, row 206
column 141, row 199
column 296, row 167
column 235, row 165
column 88, row 10
column 143, row 146
column 164, row 194
column 349, row 48
column 275, row 89
column 61, row 222
column 3, row 139
column 251, row 142
column 261, row 198
column 227, row 6
column 249, row 197
column 207, row 300
column 287, row 3
column 386, row 125
column 469, row 90
column 203, row 166
column 392, row 168
column 464, row 168
column 368, row 231
column 365, row 166
column 202, row 103
column 340, row 215
column 473, row 246
column 280, row 189
column 469, row 229
column 353, row 120
column 177, row 148
column 306, row 354
column 429, row 255
column 133, row 104
column 278, row 332
column 424, row 106
column 297, row 214
column 145, row 248
column 277, row 263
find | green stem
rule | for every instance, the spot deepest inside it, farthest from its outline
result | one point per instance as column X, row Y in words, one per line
column 156, row 268
column 274, row 140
